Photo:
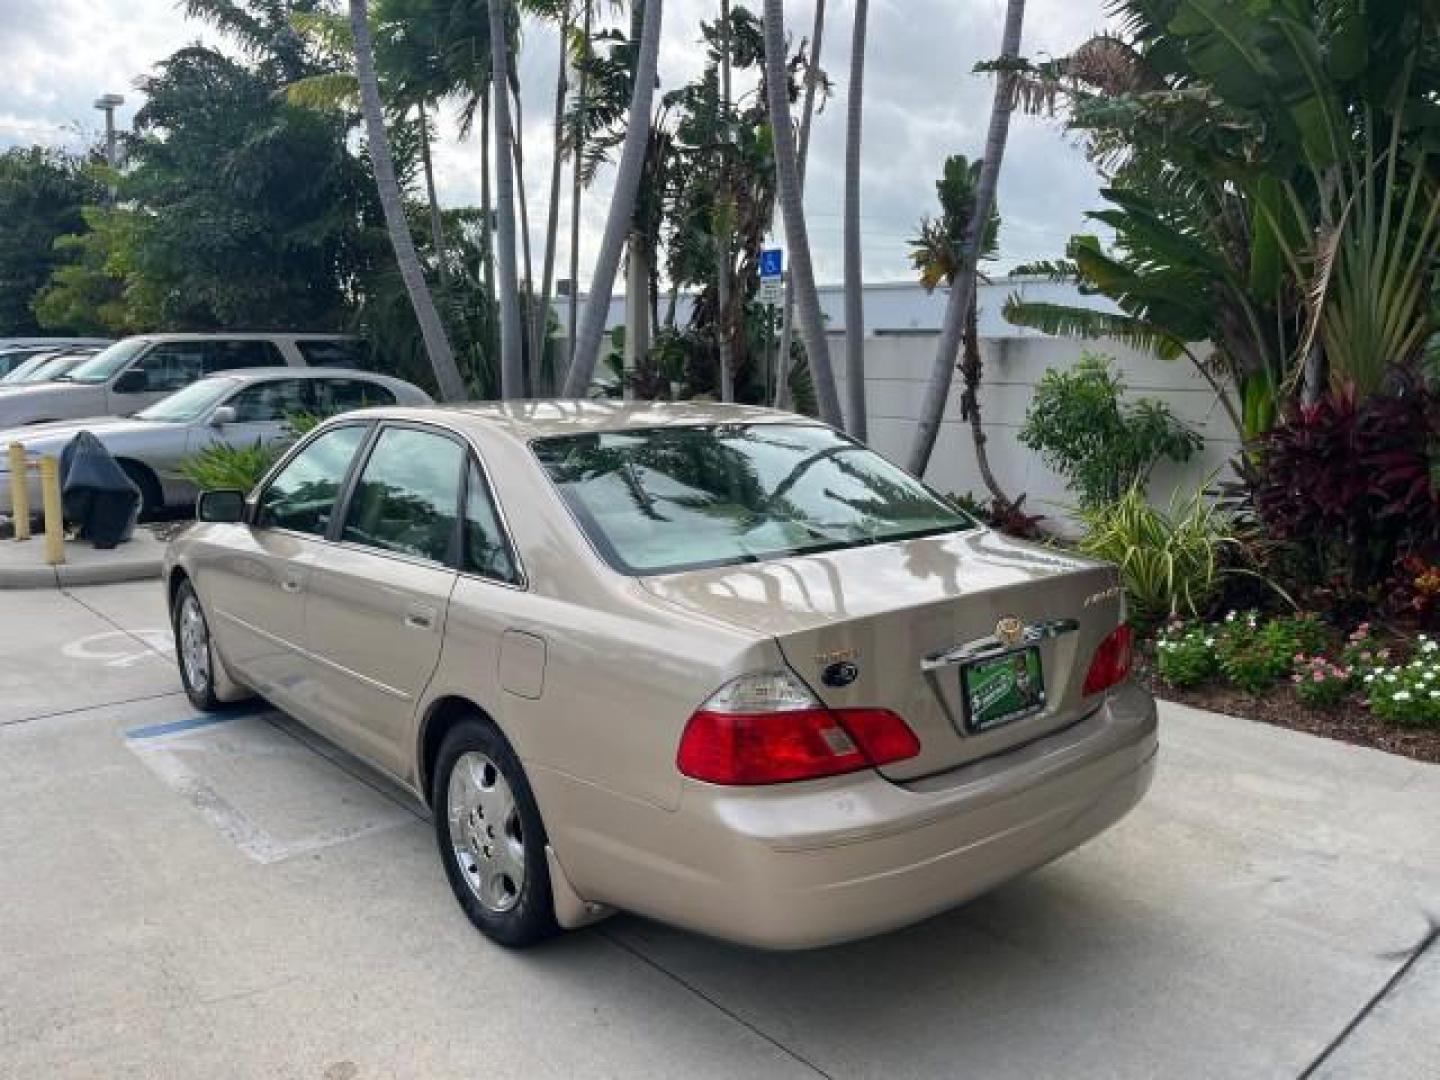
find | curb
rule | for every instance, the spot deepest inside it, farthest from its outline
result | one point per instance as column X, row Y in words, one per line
column 66, row 575
column 139, row 559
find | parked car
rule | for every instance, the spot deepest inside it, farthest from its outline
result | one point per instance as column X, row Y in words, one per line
column 14, row 351
column 236, row 409
column 139, row 371
column 45, row 366
column 714, row 664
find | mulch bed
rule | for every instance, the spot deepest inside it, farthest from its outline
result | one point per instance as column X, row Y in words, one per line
column 1347, row 722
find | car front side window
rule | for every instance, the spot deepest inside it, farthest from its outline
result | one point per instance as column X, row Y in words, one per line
column 302, row 496
column 408, row 496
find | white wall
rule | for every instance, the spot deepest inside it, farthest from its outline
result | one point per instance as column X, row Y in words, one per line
column 898, row 367
column 902, row 323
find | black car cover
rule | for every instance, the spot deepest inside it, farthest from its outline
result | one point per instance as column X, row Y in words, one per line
column 96, row 493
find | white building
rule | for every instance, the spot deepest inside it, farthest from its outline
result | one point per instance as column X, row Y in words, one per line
column 902, row 324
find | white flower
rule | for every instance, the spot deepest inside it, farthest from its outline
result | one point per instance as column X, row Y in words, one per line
column 1230, row 617
column 1435, row 693
column 1370, row 677
column 1390, row 676
column 1401, row 695
column 1209, row 642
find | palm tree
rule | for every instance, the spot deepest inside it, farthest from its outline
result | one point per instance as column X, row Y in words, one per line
column 787, row 170
column 622, row 205
column 512, row 364
column 932, row 410
column 722, row 234
column 854, row 271
column 560, row 12
column 577, row 151
column 437, row 345
column 813, row 76
column 437, row 220
column 938, row 254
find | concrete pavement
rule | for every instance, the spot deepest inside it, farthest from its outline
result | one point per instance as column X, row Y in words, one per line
column 243, row 899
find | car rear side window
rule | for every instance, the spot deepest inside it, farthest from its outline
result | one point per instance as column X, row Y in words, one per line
column 270, row 401
column 341, row 395
column 486, row 552
column 235, row 355
column 408, row 497
column 302, row 496
column 332, row 353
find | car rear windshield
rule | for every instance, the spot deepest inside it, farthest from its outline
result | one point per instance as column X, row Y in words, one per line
column 105, row 363
column 663, row 500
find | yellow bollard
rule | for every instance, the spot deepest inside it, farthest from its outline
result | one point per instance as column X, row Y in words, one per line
column 19, row 491
column 54, row 516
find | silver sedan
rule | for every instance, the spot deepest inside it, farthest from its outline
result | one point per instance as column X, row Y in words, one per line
column 237, row 409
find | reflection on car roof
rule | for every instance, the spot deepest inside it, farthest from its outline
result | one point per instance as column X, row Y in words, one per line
column 533, row 419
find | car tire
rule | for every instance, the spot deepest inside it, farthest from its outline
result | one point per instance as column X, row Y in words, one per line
column 194, row 653
column 152, row 501
column 491, row 839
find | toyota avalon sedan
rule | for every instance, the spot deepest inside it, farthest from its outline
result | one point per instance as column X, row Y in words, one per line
column 713, row 664
column 235, row 409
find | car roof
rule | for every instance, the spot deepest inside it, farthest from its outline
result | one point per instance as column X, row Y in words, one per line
column 537, row 419
column 278, row 371
column 244, row 335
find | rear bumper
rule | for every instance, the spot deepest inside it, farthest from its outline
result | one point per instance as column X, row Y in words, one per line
column 804, row 865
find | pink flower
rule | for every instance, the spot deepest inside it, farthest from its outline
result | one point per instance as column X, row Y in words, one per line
column 1319, row 676
column 1365, row 656
column 1295, row 678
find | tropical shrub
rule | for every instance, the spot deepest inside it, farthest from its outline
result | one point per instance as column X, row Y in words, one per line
column 1101, row 445
column 1346, row 486
column 1243, row 658
column 1170, row 560
column 1321, row 683
column 1362, row 649
column 1408, row 693
column 1009, row 518
column 1185, row 654
column 1253, row 655
column 219, row 467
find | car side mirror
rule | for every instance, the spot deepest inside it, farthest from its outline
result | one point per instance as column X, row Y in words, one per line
column 133, row 381
column 225, row 414
column 226, row 506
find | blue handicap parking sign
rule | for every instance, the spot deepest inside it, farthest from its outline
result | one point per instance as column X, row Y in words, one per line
column 772, row 263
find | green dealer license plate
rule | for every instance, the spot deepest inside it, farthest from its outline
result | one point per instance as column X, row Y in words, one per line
column 999, row 690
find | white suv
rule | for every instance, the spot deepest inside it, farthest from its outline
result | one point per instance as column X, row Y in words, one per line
column 139, row 371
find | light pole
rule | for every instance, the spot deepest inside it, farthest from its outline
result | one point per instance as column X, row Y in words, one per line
column 108, row 103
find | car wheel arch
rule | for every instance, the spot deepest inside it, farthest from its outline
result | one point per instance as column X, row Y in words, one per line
column 440, row 717
column 152, row 492
column 172, row 586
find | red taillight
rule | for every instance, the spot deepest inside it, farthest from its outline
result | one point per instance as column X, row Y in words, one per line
column 1111, row 664
column 793, row 739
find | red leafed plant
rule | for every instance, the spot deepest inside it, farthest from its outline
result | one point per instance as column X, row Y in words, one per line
column 1347, row 485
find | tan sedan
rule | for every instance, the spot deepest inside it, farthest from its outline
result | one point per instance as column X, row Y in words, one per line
column 713, row 664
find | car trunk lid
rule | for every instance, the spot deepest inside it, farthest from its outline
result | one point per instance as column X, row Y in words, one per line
column 907, row 615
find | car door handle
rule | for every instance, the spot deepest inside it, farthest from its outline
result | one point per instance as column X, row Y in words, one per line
column 420, row 618
column 290, row 585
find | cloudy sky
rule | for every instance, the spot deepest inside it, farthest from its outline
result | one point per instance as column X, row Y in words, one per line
column 922, row 103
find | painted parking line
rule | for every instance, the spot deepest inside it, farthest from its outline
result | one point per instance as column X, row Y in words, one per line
column 194, row 721
column 267, row 791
